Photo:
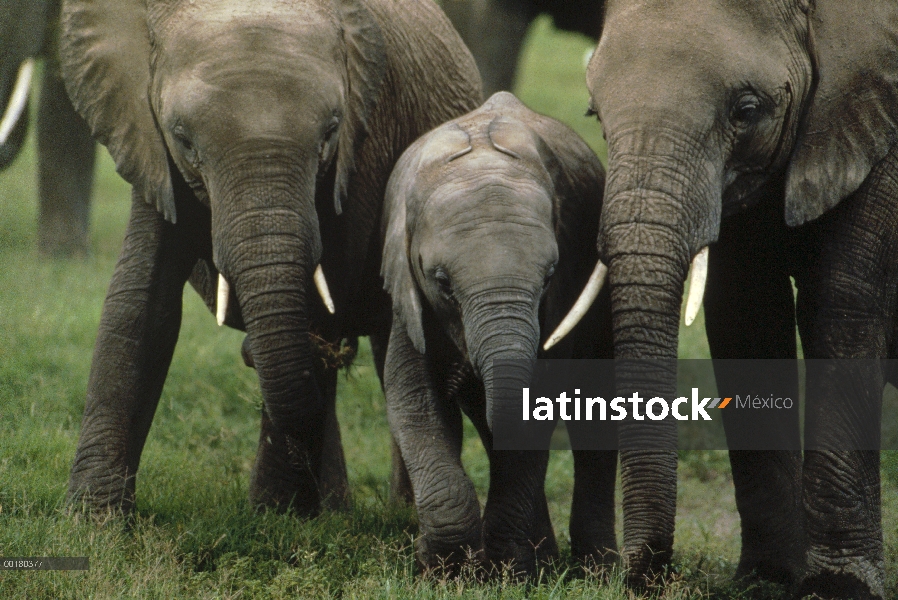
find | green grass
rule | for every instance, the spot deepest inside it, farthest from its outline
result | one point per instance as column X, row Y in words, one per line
column 194, row 535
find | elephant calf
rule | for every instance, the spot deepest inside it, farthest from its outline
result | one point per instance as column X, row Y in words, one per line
column 489, row 228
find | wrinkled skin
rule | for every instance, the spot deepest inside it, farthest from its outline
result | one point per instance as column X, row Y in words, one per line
column 262, row 149
column 489, row 225
column 748, row 127
column 65, row 149
column 494, row 30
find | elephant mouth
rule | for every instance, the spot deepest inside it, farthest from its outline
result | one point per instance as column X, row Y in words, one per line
column 224, row 292
column 698, row 276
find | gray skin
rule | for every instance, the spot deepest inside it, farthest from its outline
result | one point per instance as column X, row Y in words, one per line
column 748, row 125
column 489, row 227
column 259, row 139
column 494, row 30
column 65, row 148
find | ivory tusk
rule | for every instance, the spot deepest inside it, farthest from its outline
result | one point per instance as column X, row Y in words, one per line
column 587, row 297
column 17, row 100
column 698, row 275
column 321, row 284
column 224, row 290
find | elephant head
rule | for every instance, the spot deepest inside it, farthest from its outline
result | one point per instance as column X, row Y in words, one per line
column 261, row 108
column 696, row 120
column 480, row 236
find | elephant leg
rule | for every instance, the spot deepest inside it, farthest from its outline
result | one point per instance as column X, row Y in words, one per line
column 138, row 331
column 593, row 538
column 65, row 170
column 428, row 430
column 494, row 30
column 592, row 524
column 400, row 485
column 750, row 313
column 846, row 308
column 517, row 529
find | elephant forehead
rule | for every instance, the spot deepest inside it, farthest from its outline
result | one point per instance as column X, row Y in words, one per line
column 694, row 46
column 477, row 199
column 264, row 32
column 483, row 166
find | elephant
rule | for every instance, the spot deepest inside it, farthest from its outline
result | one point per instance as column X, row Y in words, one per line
column 258, row 139
column 65, row 148
column 489, row 227
column 494, row 30
column 764, row 132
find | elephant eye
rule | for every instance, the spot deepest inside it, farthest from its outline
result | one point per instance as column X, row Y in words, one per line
column 332, row 127
column 443, row 282
column 180, row 134
column 548, row 277
column 747, row 109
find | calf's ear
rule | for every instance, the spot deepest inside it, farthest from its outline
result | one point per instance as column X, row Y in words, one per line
column 417, row 167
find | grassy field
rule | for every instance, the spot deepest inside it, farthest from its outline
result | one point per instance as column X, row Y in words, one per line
column 194, row 535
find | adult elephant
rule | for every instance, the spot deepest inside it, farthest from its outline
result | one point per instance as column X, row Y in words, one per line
column 258, row 139
column 65, row 148
column 494, row 30
column 768, row 128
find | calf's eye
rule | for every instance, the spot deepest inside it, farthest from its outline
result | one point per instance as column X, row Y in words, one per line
column 443, row 283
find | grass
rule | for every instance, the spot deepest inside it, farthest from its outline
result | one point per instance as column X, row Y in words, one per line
column 194, row 535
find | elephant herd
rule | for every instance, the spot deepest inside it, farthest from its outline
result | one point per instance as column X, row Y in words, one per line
column 327, row 169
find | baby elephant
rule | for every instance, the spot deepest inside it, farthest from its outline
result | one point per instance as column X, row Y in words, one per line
column 489, row 234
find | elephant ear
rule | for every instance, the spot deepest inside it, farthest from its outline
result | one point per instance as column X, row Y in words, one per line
column 105, row 60
column 366, row 69
column 852, row 119
column 402, row 204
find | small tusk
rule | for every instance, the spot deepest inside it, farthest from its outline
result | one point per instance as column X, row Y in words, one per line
column 224, row 290
column 17, row 100
column 698, row 275
column 321, row 284
column 587, row 297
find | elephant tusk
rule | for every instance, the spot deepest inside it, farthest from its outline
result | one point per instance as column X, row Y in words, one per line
column 224, row 290
column 17, row 100
column 321, row 284
column 587, row 297
column 698, row 275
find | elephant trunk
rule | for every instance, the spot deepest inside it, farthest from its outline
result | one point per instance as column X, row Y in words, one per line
column 502, row 326
column 660, row 210
column 267, row 245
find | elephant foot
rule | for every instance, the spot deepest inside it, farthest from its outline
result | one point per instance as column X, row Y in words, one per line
column 855, row 580
column 440, row 562
column 598, row 560
column 782, row 570
column 836, row 586
column 521, row 560
column 101, row 494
